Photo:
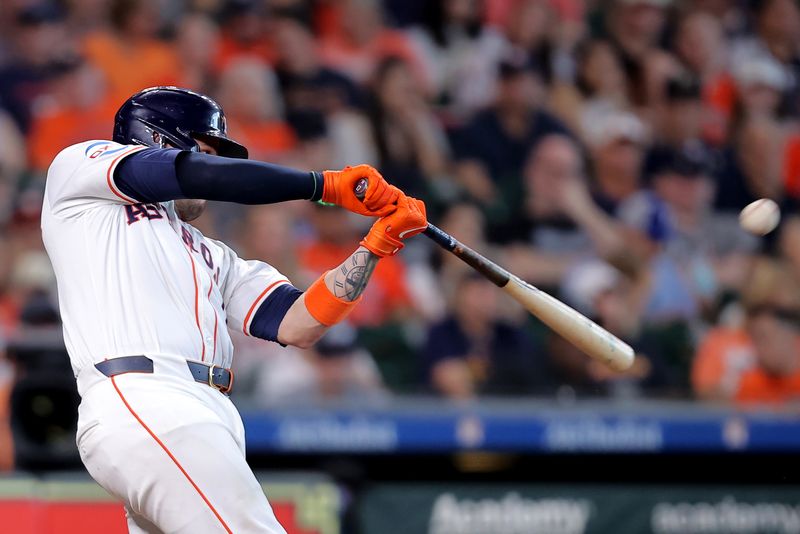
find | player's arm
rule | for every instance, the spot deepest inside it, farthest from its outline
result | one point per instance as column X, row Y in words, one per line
column 334, row 295
column 158, row 175
column 331, row 298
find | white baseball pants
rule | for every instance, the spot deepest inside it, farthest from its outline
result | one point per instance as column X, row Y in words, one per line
column 173, row 451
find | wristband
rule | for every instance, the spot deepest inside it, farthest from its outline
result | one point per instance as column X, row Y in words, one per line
column 324, row 306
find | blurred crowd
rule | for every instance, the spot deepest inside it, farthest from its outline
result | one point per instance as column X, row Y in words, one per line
column 601, row 149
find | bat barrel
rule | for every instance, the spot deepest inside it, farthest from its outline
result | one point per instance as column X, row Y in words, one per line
column 579, row 330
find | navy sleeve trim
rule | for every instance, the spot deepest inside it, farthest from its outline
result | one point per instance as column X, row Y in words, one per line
column 270, row 314
column 149, row 175
column 319, row 186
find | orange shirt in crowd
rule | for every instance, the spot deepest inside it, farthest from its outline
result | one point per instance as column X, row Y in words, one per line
column 360, row 62
column 230, row 49
column 386, row 293
column 57, row 129
column 129, row 68
column 791, row 166
column 9, row 315
column 265, row 140
column 719, row 96
column 726, row 367
column 759, row 387
column 497, row 12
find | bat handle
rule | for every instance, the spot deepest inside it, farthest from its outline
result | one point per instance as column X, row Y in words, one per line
column 440, row 237
column 496, row 274
column 360, row 188
column 443, row 239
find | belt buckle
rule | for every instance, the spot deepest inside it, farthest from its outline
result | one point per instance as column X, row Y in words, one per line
column 211, row 376
column 222, row 389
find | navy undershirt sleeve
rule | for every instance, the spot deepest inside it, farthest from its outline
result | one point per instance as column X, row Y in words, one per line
column 244, row 181
column 158, row 175
column 149, row 175
column 270, row 314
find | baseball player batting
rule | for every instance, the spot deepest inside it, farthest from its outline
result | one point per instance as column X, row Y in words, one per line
column 147, row 302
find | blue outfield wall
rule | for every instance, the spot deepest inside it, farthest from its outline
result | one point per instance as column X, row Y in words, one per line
column 430, row 426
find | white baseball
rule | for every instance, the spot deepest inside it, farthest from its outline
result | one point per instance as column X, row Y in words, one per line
column 760, row 217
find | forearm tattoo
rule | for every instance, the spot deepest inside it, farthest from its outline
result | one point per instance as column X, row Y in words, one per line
column 352, row 276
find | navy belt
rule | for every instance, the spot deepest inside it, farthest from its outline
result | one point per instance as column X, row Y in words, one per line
column 212, row 375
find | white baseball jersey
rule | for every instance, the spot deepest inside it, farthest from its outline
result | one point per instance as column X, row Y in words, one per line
column 133, row 278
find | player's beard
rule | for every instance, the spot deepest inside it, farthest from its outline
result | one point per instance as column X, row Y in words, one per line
column 189, row 209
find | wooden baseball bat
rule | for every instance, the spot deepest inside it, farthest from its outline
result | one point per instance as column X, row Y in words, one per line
column 573, row 326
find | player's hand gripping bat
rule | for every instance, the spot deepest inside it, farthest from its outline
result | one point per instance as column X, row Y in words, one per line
column 579, row 330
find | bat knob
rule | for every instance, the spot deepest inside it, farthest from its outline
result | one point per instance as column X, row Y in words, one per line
column 360, row 188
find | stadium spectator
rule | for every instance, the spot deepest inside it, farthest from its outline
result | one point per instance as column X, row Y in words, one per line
column 244, row 33
column 31, row 278
column 530, row 28
column 313, row 91
column 410, row 143
column 305, row 82
column 361, row 40
column 343, row 370
column 132, row 40
column 77, row 109
column 777, row 34
column 599, row 85
column 560, row 223
column 472, row 352
column 759, row 86
column 269, row 233
column 337, row 369
column 491, row 149
column 635, row 28
column 791, row 163
column 701, row 48
column 319, row 148
column 679, row 123
column 13, row 160
column 710, row 248
column 617, row 142
column 86, row 16
column 248, row 91
column 37, row 38
column 197, row 42
column 459, row 54
column 759, row 361
column 752, row 166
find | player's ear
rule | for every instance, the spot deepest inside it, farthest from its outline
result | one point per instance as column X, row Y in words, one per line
column 157, row 138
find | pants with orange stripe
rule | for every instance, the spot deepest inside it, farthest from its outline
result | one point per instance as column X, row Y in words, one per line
column 173, row 451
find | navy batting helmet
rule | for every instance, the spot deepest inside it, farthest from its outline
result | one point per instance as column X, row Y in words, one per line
column 179, row 116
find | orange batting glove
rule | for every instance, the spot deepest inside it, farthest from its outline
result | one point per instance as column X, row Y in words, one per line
column 386, row 236
column 379, row 200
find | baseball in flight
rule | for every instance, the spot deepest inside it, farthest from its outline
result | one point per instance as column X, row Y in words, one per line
column 760, row 217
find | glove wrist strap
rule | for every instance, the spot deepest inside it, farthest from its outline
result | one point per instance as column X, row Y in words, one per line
column 382, row 246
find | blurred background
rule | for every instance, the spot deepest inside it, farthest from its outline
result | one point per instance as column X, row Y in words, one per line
column 601, row 149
